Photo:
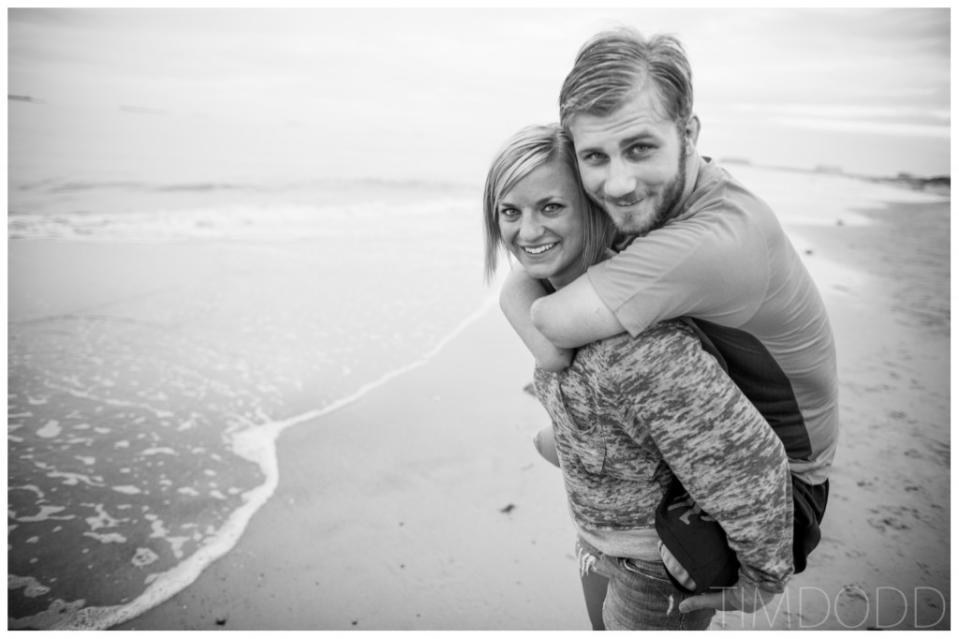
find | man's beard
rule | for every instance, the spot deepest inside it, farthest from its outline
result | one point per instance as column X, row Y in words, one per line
column 667, row 210
column 672, row 194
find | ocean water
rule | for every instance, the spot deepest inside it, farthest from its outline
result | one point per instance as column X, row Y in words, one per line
column 161, row 337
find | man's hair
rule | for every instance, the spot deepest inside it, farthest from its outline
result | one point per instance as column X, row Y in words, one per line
column 523, row 153
column 614, row 64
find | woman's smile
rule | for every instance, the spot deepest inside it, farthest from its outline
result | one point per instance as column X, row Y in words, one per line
column 539, row 249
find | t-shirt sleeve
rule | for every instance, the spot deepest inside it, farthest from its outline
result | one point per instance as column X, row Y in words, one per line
column 717, row 444
column 713, row 266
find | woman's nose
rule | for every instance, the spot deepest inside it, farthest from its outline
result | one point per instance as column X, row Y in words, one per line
column 530, row 227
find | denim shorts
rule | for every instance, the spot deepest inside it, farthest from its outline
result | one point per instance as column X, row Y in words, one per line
column 640, row 595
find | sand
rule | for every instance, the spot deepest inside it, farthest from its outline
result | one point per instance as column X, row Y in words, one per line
column 423, row 505
column 884, row 562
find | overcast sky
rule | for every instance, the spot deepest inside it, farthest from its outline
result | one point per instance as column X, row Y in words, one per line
column 431, row 93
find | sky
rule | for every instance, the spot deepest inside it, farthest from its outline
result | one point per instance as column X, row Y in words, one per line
column 430, row 94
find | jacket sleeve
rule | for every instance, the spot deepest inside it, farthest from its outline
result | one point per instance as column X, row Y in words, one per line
column 717, row 444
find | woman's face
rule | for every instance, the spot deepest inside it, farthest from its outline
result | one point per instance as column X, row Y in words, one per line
column 542, row 222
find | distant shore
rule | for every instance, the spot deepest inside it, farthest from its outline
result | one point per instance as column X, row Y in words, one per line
column 938, row 184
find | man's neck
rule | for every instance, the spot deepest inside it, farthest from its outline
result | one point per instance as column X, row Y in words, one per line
column 693, row 161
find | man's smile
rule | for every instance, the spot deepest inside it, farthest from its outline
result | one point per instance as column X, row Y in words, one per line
column 623, row 204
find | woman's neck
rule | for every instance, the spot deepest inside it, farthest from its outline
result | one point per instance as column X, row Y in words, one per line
column 562, row 280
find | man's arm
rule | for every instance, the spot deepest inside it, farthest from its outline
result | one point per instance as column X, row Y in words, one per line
column 519, row 293
column 574, row 315
column 699, row 268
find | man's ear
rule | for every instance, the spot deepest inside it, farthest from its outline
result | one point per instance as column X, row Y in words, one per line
column 691, row 134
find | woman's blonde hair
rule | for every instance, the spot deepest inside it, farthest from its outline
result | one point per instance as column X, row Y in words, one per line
column 526, row 151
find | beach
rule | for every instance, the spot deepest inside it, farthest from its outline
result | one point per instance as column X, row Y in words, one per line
column 376, row 470
column 256, row 379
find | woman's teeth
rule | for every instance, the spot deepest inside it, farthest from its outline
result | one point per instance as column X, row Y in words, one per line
column 537, row 250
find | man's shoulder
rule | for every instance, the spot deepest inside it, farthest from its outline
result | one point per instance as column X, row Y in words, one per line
column 723, row 220
column 718, row 193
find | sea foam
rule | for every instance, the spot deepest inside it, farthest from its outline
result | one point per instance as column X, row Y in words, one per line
column 257, row 445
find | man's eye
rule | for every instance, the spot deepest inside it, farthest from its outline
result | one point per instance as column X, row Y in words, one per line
column 592, row 157
column 640, row 150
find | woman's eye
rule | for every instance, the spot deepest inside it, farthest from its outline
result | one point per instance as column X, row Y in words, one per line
column 509, row 214
column 552, row 207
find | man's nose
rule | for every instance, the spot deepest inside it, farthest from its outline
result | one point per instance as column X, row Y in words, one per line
column 620, row 181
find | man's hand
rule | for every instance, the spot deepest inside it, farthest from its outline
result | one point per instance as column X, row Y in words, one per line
column 746, row 598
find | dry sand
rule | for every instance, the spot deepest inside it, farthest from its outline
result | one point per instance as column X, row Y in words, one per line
column 424, row 506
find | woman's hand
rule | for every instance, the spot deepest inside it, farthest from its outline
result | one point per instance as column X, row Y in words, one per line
column 545, row 443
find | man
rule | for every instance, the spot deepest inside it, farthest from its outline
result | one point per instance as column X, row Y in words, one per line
column 700, row 245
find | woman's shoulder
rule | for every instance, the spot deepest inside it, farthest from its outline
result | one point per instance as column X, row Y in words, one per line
column 661, row 336
column 667, row 340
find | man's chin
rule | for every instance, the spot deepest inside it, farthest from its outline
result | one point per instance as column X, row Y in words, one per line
column 635, row 222
column 639, row 225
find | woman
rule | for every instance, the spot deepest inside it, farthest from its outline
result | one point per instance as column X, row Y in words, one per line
column 632, row 415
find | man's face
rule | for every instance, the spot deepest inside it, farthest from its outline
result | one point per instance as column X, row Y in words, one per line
column 633, row 162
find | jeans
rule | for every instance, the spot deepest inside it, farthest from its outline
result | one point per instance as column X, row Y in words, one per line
column 640, row 595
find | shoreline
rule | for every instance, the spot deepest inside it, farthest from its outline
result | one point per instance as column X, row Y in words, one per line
column 395, row 526
column 257, row 445
column 422, row 504
column 881, row 534
column 58, row 286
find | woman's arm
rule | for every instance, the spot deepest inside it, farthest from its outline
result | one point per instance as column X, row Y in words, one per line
column 717, row 444
column 518, row 294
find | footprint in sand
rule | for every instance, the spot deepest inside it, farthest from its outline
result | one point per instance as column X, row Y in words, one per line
column 893, row 517
column 940, row 450
column 854, row 591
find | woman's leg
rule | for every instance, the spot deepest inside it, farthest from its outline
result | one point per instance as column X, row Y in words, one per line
column 594, row 591
column 642, row 597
